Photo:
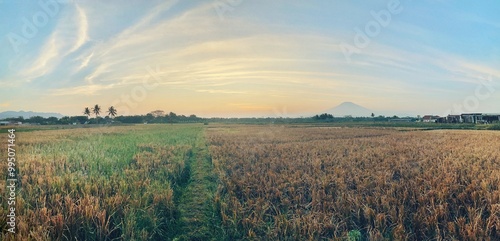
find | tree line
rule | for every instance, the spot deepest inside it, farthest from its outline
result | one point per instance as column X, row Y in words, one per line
column 94, row 116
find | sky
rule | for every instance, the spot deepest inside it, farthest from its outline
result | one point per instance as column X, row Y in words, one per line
column 238, row 58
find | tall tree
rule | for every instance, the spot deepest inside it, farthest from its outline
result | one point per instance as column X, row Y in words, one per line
column 158, row 113
column 86, row 111
column 96, row 110
column 112, row 111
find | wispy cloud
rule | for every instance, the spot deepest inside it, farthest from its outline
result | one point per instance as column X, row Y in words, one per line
column 82, row 31
column 85, row 61
column 64, row 40
column 85, row 90
column 45, row 61
column 221, row 91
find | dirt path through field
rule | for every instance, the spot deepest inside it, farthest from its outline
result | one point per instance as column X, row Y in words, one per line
column 197, row 216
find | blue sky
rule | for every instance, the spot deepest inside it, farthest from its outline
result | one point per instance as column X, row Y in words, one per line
column 250, row 58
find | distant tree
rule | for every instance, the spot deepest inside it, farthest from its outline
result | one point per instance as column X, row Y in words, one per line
column 157, row 113
column 86, row 111
column 324, row 116
column 373, row 115
column 112, row 111
column 130, row 119
column 97, row 111
column 172, row 117
column 36, row 120
column 79, row 119
column 65, row 120
column 149, row 117
column 52, row 120
column 15, row 119
column 193, row 118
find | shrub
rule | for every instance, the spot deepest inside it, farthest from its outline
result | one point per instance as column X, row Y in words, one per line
column 354, row 235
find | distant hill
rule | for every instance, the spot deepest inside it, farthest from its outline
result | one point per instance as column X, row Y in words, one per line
column 27, row 114
column 349, row 108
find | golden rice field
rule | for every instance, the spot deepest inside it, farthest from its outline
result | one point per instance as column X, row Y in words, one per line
column 246, row 182
column 289, row 183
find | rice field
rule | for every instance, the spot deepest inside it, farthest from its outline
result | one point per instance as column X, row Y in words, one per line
column 244, row 182
column 294, row 183
column 108, row 183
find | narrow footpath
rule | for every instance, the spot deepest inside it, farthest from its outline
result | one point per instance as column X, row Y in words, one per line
column 197, row 215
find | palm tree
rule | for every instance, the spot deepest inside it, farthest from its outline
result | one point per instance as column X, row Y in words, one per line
column 97, row 111
column 112, row 111
column 86, row 111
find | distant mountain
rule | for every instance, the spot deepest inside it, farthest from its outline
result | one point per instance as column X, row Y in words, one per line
column 27, row 114
column 349, row 108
